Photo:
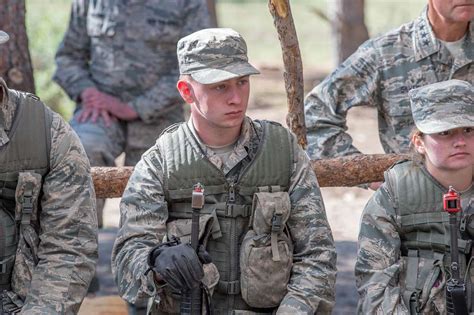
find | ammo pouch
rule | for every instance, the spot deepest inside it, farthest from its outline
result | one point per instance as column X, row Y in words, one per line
column 26, row 214
column 266, row 254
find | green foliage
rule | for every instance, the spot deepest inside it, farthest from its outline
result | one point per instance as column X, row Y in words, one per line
column 47, row 21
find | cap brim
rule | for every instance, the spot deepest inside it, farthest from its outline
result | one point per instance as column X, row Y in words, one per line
column 3, row 37
column 210, row 76
column 436, row 126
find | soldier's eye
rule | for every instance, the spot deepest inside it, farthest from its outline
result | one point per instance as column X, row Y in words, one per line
column 469, row 130
column 445, row 133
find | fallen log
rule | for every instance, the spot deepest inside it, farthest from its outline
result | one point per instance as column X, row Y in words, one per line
column 110, row 182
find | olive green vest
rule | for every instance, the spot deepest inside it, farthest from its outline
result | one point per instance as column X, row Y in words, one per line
column 27, row 150
column 424, row 234
column 230, row 203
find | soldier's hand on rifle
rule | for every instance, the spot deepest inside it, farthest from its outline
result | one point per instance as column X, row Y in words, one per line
column 179, row 266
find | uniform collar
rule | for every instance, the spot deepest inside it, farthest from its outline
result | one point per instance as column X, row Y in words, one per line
column 426, row 44
column 240, row 149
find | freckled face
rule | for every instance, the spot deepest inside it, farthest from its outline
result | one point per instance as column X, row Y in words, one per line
column 221, row 105
column 450, row 150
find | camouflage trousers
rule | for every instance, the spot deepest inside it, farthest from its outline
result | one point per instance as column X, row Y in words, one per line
column 103, row 144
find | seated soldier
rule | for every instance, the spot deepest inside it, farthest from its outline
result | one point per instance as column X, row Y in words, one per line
column 263, row 223
column 48, row 224
column 404, row 257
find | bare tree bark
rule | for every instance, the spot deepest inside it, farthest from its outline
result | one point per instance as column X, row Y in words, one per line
column 348, row 25
column 281, row 12
column 110, row 182
column 15, row 61
column 354, row 170
column 211, row 5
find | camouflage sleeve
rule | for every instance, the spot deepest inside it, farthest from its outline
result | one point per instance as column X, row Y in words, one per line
column 68, row 229
column 155, row 102
column 378, row 258
column 143, row 216
column 354, row 83
column 313, row 277
column 72, row 57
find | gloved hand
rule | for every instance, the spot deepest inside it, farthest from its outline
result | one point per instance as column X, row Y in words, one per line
column 179, row 266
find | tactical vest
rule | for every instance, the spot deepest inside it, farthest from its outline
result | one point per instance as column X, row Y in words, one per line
column 229, row 203
column 424, row 234
column 27, row 151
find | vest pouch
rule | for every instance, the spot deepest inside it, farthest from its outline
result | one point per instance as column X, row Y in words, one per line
column 422, row 282
column 266, row 253
column 26, row 214
column 169, row 302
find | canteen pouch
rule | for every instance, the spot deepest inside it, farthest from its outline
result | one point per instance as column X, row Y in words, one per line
column 266, row 254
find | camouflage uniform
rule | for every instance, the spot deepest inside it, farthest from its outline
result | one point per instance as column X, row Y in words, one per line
column 404, row 234
column 380, row 74
column 144, row 214
column 67, row 228
column 128, row 50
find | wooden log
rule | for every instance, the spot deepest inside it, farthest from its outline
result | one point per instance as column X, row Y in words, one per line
column 283, row 20
column 110, row 182
column 353, row 170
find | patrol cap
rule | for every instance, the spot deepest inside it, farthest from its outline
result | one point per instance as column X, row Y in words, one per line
column 443, row 106
column 3, row 37
column 213, row 55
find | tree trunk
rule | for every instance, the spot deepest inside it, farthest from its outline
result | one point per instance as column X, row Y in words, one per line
column 348, row 26
column 283, row 20
column 211, row 5
column 15, row 61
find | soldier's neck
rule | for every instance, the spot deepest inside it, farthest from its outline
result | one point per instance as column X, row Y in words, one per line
column 460, row 179
column 448, row 31
column 214, row 136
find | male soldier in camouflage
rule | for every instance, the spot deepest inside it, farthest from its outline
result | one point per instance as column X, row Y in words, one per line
column 403, row 262
column 435, row 47
column 239, row 162
column 118, row 62
column 48, row 225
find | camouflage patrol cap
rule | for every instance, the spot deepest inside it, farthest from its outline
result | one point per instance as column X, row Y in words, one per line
column 213, row 55
column 442, row 106
column 3, row 37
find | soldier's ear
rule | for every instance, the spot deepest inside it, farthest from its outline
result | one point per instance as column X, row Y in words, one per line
column 418, row 143
column 185, row 90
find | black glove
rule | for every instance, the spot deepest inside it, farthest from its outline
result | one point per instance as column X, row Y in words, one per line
column 179, row 266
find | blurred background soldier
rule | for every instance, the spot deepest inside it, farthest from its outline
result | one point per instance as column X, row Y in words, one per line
column 263, row 223
column 435, row 47
column 48, row 224
column 118, row 62
column 404, row 258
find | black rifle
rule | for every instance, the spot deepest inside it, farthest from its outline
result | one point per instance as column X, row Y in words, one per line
column 455, row 286
column 191, row 301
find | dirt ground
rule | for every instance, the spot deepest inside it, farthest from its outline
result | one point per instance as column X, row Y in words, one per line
column 343, row 205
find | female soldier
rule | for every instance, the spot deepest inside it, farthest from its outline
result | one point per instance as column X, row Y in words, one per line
column 403, row 260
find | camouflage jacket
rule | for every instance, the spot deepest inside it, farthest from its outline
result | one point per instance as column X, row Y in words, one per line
column 128, row 49
column 144, row 213
column 380, row 74
column 381, row 268
column 67, row 252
